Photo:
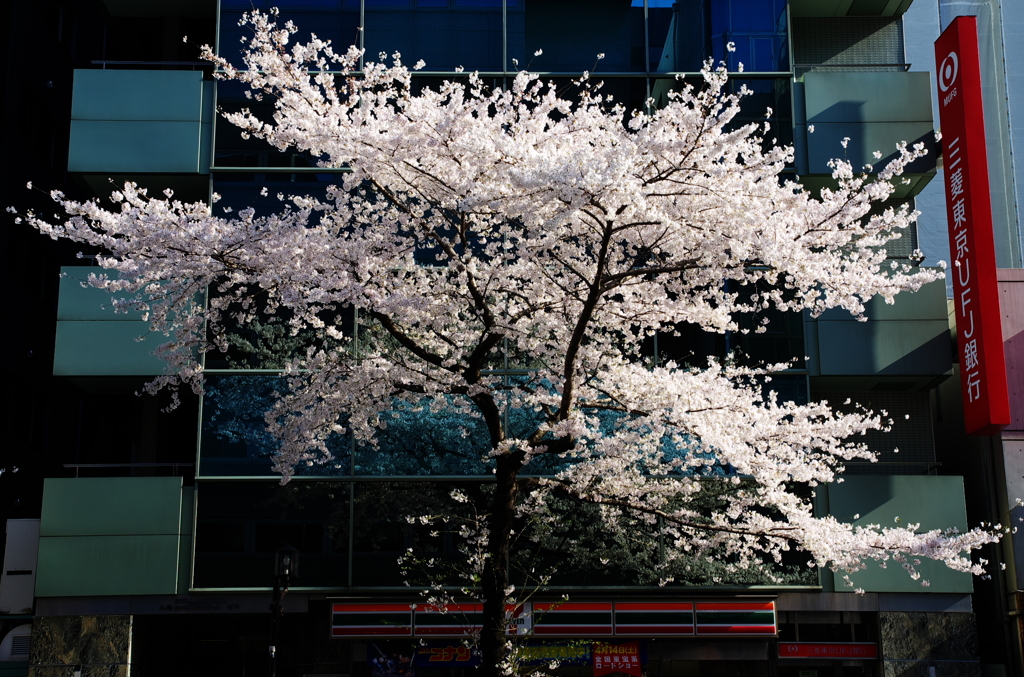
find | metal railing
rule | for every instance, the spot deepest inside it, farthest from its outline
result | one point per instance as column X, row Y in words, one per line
column 194, row 64
column 173, row 466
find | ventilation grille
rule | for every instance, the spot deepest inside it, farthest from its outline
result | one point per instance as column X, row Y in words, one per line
column 912, row 436
column 848, row 44
column 20, row 645
column 907, row 244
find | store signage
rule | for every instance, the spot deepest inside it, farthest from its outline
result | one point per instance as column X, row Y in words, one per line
column 652, row 619
column 421, row 620
column 971, row 242
column 437, row 654
column 371, row 620
column 572, row 619
column 823, row 650
column 623, row 657
column 736, row 618
column 557, row 619
column 454, row 620
column 540, row 653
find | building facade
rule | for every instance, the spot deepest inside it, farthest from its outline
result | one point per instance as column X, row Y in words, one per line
column 151, row 548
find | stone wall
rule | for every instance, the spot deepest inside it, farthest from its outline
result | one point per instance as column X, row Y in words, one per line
column 100, row 645
column 914, row 642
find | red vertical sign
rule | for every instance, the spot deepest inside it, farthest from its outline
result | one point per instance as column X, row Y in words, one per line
column 971, row 243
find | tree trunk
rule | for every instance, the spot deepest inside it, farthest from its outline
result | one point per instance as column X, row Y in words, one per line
column 493, row 641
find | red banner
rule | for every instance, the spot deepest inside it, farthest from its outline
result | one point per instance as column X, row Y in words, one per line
column 623, row 657
column 971, row 243
column 822, row 650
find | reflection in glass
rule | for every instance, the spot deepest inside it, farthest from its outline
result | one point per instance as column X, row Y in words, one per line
column 683, row 37
column 574, row 546
column 268, row 341
column 757, row 31
column 235, row 440
column 426, row 440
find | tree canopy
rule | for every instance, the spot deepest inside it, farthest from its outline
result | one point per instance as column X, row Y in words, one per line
column 481, row 230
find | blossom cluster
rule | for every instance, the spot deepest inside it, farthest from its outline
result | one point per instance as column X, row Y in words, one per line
column 476, row 223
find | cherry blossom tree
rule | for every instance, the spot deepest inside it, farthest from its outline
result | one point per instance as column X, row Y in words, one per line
column 477, row 225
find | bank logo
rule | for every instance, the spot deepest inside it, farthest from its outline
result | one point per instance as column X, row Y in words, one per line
column 948, row 71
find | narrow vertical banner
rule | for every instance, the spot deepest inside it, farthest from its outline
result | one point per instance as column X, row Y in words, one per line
column 971, row 242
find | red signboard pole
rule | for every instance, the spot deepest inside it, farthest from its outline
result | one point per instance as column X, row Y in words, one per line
column 971, row 243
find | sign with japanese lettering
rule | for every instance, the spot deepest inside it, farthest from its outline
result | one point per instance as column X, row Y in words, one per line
column 971, row 242
column 847, row 650
column 623, row 657
column 436, row 654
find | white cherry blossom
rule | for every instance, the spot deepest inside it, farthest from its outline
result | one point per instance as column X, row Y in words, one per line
column 552, row 227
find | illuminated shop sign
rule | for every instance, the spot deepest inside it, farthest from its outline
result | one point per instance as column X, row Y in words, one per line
column 971, row 242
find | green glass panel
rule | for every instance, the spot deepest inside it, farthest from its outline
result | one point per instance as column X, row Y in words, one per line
column 137, row 95
column 163, row 146
column 111, row 506
column 97, row 348
column 77, row 302
column 934, row 502
column 75, row 566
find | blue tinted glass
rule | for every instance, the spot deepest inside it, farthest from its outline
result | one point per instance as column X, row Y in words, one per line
column 757, row 28
column 478, row 3
column 235, row 440
column 467, row 37
column 414, row 440
column 432, row 3
column 572, row 33
column 307, row 3
column 752, row 15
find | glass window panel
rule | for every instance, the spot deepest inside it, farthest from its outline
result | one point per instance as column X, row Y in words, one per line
column 269, row 341
column 577, row 548
column 572, row 33
column 320, row 4
column 240, row 526
column 467, row 37
column 337, row 21
column 746, row 23
column 235, row 440
column 417, row 440
column 382, row 531
column 674, row 45
column 752, row 15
